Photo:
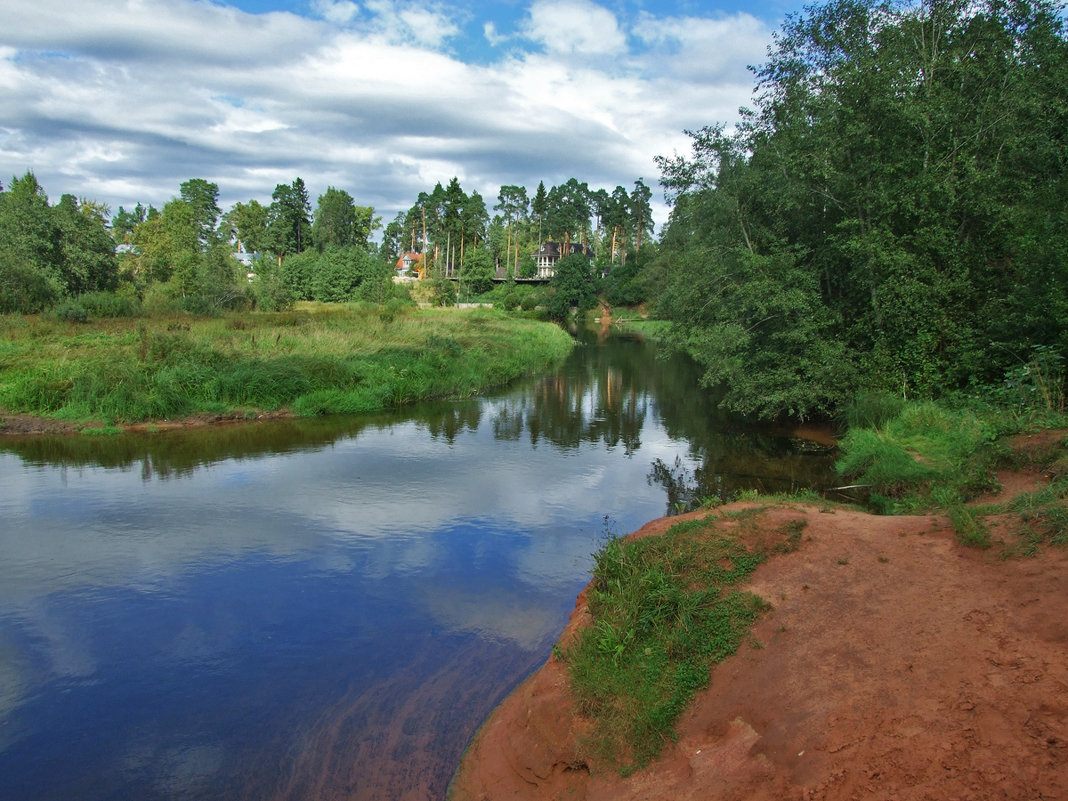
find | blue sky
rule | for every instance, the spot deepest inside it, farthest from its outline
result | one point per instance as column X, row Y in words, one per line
column 122, row 100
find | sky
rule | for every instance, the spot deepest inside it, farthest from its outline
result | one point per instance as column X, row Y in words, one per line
column 120, row 101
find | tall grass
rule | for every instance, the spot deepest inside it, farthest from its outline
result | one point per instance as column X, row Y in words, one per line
column 925, row 455
column 314, row 360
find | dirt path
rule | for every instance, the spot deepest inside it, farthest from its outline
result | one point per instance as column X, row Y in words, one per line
column 895, row 664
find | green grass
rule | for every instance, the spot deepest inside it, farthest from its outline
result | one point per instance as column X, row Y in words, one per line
column 664, row 610
column 1043, row 517
column 935, row 457
column 318, row 359
column 924, row 457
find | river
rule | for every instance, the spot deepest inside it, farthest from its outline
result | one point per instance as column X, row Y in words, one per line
column 328, row 608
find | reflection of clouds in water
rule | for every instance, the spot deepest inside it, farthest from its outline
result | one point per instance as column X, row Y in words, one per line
column 500, row 616
column 107, row 526
column 382, row 505
column 68, row 647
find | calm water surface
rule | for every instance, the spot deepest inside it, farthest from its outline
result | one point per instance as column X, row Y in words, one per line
column 328, row 609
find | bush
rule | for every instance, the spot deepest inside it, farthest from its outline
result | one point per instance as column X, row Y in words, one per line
column 394, row 308
column 272, row 294
column 510, row 300
column 70, row 311
column 25, row 290
column 573, row 286
column 109, row 304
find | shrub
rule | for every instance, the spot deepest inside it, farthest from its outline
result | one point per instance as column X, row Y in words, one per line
column 510, row 300
column 70, row 311
column 109, row 304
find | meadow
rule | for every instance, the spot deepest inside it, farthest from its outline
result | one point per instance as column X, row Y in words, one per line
column 314, row 359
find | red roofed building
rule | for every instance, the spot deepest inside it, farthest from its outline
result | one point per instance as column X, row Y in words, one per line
column 410, row 265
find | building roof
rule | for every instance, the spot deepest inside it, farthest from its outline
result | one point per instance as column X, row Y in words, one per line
column 409, row 257
column 557, row 250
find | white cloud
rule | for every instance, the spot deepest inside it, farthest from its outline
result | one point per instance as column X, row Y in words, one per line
column 341, row 12
column 413, row 23
column 694, row 49
column 574, row 26
column 489, row 30
column 122, row 101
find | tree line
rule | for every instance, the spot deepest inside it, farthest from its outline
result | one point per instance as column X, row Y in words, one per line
column 182, row 255
column 446, row 224
column 892, row 214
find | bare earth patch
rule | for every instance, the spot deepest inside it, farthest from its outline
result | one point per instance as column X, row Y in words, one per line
column 895, row 664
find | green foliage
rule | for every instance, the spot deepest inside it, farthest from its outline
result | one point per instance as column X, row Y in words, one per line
column 510, row 299
column 970, row 528
column 871, row 409
column 477, row 273
column 663, row 612
column 1043, row 517
column 24, row 288
column 337, row 276
column 50, row 252
column 891, row 215
column 573, row 286
column 70, row 311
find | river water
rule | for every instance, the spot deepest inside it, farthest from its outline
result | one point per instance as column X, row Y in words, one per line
column 329, row 608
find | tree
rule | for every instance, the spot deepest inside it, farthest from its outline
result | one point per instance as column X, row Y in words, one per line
column 512, row 203
column 247, row 225
column 477, row 273
column 395, row 239
column 288, row 219
column 124, row 222
column 641, row 212
column 334, row 224
column 203, row 199
column 30, row 249
column 888, row 188
column 366, row 224
column 573, row 286
column 88, row 262
column 538, row 207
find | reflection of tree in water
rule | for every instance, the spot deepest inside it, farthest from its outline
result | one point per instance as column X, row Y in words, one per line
column 446, row 421
column 683, row 492
column 731, row 454
column 596, row 397
column 605, row 393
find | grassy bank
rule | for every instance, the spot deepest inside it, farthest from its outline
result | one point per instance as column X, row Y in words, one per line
column 314, row 360
column 944, row 457
column 664, row 609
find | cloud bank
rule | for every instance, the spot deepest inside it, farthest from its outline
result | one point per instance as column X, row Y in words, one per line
column 122, row 100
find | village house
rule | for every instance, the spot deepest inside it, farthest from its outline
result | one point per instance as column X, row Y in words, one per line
column 410, row 266
column 550, row 253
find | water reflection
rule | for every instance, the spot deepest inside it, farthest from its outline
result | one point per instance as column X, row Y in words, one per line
column 328, row 607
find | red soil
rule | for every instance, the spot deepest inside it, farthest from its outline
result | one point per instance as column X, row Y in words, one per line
column 895, row 664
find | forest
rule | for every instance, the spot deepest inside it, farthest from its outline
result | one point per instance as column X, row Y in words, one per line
column 889, row 216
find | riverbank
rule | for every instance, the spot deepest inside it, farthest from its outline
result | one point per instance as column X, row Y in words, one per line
column 64, row 377
column 894, row 663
